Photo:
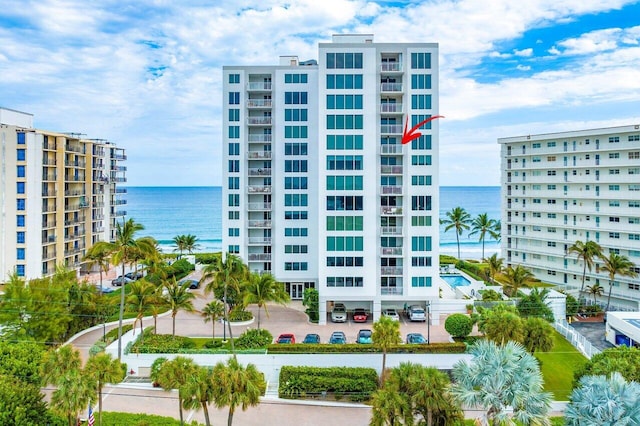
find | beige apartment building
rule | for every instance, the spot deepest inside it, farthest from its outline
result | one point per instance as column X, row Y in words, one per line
column 59, row 195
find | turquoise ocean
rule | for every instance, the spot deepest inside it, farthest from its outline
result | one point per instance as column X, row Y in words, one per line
column 169, row 211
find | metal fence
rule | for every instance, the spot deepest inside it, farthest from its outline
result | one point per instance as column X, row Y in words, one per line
column 576, row 339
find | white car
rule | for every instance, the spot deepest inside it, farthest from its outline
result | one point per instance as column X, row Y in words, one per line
column 416, row 313
column 339, row 313
column 391, row 313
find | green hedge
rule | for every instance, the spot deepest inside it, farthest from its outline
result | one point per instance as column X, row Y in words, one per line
column 433, row 348
column 354, row 383
column 162, row 344
column 253, row 338
column 239, row 315
column 118, row 419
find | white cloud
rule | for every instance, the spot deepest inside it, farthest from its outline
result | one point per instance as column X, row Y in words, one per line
column 521, row 67
column 524, row 52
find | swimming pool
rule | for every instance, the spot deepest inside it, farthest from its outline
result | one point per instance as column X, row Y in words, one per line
column 456, row 280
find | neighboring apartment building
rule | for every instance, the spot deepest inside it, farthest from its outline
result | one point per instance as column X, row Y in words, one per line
column 59, row 195
column 318, row 188
column 561, row 187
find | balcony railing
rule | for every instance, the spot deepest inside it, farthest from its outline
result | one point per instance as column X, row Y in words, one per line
column 48, row 224
column 391, row 170
column 119, row 213
column 391, row 291
column 259, row 103
column 120, row 157
column 259, row 224
column 391, row 149
column 259, row 154
column 263, row 189
column 69, row 163
column 391, row 251
column 259, row 138
column 391, row 67
column 50, row 193
column 75, row 148
column 121, row 190
column 391, row 230
column 259, row 86
column 391, row 129
column 260, row 172
column 49, row 239
column 48, row 209
column 74, row 192
column 391, row 270
column 259, row 206
column 259, row 257
column 391, row 189
column 49, row 176
column 49, row 161
column 391, row 211
column 263, row 121
column 391, row 87
column 391, row 108
column 259, row 240
column 48, row 255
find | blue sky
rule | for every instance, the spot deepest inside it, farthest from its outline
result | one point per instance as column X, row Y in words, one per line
column 146, row 74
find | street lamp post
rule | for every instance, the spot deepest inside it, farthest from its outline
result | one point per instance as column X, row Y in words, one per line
column 429, row 321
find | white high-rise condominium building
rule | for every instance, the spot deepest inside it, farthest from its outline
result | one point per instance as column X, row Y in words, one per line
column 558, row 188
column 58, row 194
column 318, row 188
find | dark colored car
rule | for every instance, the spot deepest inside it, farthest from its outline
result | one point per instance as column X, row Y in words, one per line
column 311, row 338
column 359, row 315
column 416, row 338
column 286, row 338
column 119, row 281
column 364, row 337
column 338, row 338
column 134, row 276
column 193, row 284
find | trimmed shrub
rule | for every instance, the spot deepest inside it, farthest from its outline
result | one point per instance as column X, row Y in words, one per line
column 432, row 348
column 445, row 259
column 253, row 338
column 162, row 344
column 213, row 344
column 239, row 315
column 458, row 325
column 491, row 295
column 356, row 383
column 207, row 258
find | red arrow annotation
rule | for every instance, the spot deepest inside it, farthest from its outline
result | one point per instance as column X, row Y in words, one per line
column 414, row 133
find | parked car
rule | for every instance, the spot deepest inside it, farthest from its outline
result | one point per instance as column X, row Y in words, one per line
column 339, row 313
column 311, row 338
column 416, row 313
column 337, row 338
column 193, row 284
column 391, row 313
column 364, row 336
column 119, row 281
column 416, row 338
column 359, row 315
column 286, row 338
column 105, row 290
column 134, row 276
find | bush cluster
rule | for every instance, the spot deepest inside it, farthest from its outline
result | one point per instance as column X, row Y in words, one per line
column 253, row 338
column 207, row 258
column 458, row 325
column 433, row 348
column 477, row 271
column 356, row 383
column 238, row 315
column 162, row 344
column 178, row 270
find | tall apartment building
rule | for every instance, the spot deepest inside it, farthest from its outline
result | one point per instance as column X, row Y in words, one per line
column 318, row 188
column 561, row 187
column 59, row 196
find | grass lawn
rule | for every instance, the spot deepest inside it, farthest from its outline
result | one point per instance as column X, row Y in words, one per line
column 558, row 367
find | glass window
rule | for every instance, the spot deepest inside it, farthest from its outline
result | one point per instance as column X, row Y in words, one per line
column 420, row 60
column 234, row 98
column 20, row 254
column 20, row 237
column 20, row 220
column 20, row 187
column 21, row 154
column 21, row 171
column 234, row 78
column 20, row 270
column 21, row 204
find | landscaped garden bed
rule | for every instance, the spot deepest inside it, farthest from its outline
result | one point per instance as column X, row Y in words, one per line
column 353, row 383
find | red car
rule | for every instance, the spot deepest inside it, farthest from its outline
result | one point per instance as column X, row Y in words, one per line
column 359, row 315
column 286, row 338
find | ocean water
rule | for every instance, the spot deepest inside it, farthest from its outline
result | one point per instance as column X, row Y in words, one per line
column 170, row 211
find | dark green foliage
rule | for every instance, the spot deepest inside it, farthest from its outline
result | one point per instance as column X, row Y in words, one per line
column 355, row 383
column 535, row 305
column 310, row 299
column 213, row 344
column 21, row 403
column 112, row 335
column 491, row 295
column 119, row 419
column 21, row 360
column 432, row 348
column 207, row 258
column 178, row 270
column 446, row 259
column 458, row 325
column 622, row 359
column 572, row 306
column 162, row 344
column 475, row 270
column 239, row 315
column 155, row 369
column 253, row 339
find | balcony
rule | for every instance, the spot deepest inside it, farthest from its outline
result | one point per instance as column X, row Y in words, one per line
column 121, row 190
column 391, row 87
column 259, row 189
column 391, row 251
column 119, row 179
column 48, row 224
column 48, row 255
column 119, row 213
column 393, row 108
column 391, row 270
column 260, row 241
column 259, row 121
column 48, row 209
column 391, row 129
column 120, row 157
column 259, row 224
column 119, row 168
column 391, row 291
column 259, row 257
column 391, row 149
column 391, row 67
column 391, row 189
column 49, row 162
column 259, row 206
column 48, row 239
column 97, row 216
column 391, row 230
column 260, row 172
column 98, row 164
column 259, row 155
column 259, row 138
column 391, row 170
column 391, row 211
column 49, row 145
column 74, row 178
column 259, row 86
column 259, row 103
column 49, row 176
column 98, row 229
column 69, row 163
column 74, row 148
column 74, row 221
column 50, row 193
column 74, row 192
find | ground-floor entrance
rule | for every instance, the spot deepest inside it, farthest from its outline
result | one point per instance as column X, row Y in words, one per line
column 296, row 289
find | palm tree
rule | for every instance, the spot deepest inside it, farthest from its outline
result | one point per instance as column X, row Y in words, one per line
column 495, row 266
column 177, row 298
column 98, row 255
column 124, row 250
column 142, row 296
column 178, row 240
column 515, row 278
column 538, row 335
column 602, row 400
column 500, row 377
column 225, row 272
column 614, row 265
column 213, row 311
column 103, row 369
column 596, row 290
column 175, row 374
column 57, row 363
column 482, row 225
column 199, row 392
column 263, row 288
column 237, row 386
column 186, row 243
column 390, row 408
column 386, row 333
column 587, row 252
column 459, row 219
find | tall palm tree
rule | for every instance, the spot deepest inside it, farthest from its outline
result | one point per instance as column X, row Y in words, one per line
column 177, row 298
column 178, row 240
column 614, row 265
column 386, row 334
column 263, row 288
column 142, row 295
column 595, row 290
column 237, row 386
column 124, row 250
column 199, row 392
column 495, row 266
column 587, row 253
column 458, row 219
column 225, row 272
column 482, row 225
column 98, row 255
column 190, row 243
column 175, row 374
column 103, row 369
column 390, row 408
column 516, row 278
column 213, row 311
